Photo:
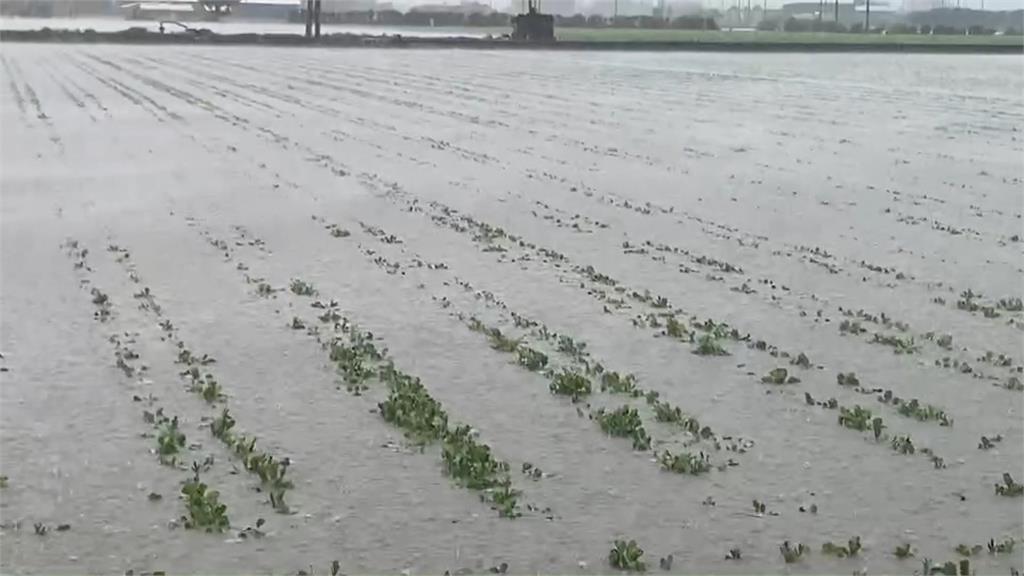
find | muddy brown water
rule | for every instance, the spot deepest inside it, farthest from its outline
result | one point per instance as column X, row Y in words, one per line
column 885, row 184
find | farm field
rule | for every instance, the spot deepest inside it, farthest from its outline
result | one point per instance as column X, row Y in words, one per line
column 810, row 38
column 270, row 310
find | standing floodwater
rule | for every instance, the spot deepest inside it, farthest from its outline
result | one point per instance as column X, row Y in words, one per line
column 266, row 309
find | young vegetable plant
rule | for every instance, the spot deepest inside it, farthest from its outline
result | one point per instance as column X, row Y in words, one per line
column 707, row 345
column 685, row 463
column 1009, row 487
column 624, row 422
column 627, row 556
column 170, row 441
column 791, row 553
column 570, row 383
column 205, row 512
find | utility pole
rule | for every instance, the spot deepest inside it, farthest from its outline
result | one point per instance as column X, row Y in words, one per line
column 309, row 18
column 837, row 11
column 867, row 16
column 316, row 16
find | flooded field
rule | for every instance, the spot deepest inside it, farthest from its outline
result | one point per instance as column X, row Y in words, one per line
column 427, row 311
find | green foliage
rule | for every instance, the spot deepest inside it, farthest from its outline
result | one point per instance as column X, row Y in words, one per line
column 685, row 463
column 302, row 288
column 707, row 345
column 410, row 407
column 1009, row 487
column 211, row 390
column 352, row 364
column 858, row 418
column 675, row 328
column 779, row 376
column 531, row 359
column 903, row 445
column 617, row 384
column 205, row 512
column 1004, row 547
column 570, row 383
column 848, row 379
column 899, row 345
column 848, row 327
column 170, row 441
column 500, row 342
column 627, row 556
column 264, row 290
column 624, row 422
column 472, row 465
column 851, row 549
column 222, row 425
column 965, row 550
column 791, row 553
column 914, row 409
column 903, row 551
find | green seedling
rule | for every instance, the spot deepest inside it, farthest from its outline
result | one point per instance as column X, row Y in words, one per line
column 297, row 323
column 570, row 383
column 779, row 376
column 903, row 445
column 858, row 418
column 264, row 290
column 914, row 409
column 339, row 232
column 222, row 425
column 848, row 379
column 801, row 360
column 848, row 327
column 899, row 345
column 666, row 562
column 211, row 390
column 792, row 553
column 965, row 550
column 302, row 288
column 1013, row 384
column 903, row 551
column 830, row 549
column 616, row 384
column 1009, row 487
column 675, row 328
column 1004, row 547
column 624, row 422
column 410, row 407
column 665, row 412
column 627, row 556
column 40, row 529
column 500, row 342
column 707, row 345
column 685, row 463
column 734, row 554
column 531, row 359
column 170, row 441
column 472, row 465
column 532, row 471
column 3, row 481
column 760, row 507
column 205, row 512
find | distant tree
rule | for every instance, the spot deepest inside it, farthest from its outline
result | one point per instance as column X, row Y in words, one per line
column 766, row 25
column 899, row 28
column 596, row 21
column 574, row 21
column 924, row 29
column 857, row 28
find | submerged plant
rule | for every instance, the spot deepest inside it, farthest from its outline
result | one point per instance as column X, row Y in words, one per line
column 707, row 345
column 616, row 384
column 779, row 376
column 858, row 418
column 570, row 383
column 531, row 359
column 685, row 463
column 627, row 556
column 221, row 426
column 1009, row 487
column 302, row 288
column 170, row 441
column 903, row 445
column 410, row 407
column 624, row 422
column 791, row 553
column 848, row 379
column 205, row 512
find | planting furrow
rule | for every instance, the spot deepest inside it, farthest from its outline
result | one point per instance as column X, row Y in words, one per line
column 12, row 84
column 204, row 511
column 200, row 380
column 362, row 359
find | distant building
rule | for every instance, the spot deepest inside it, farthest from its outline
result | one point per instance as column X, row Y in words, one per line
column 608, row 8
column 264, row 11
